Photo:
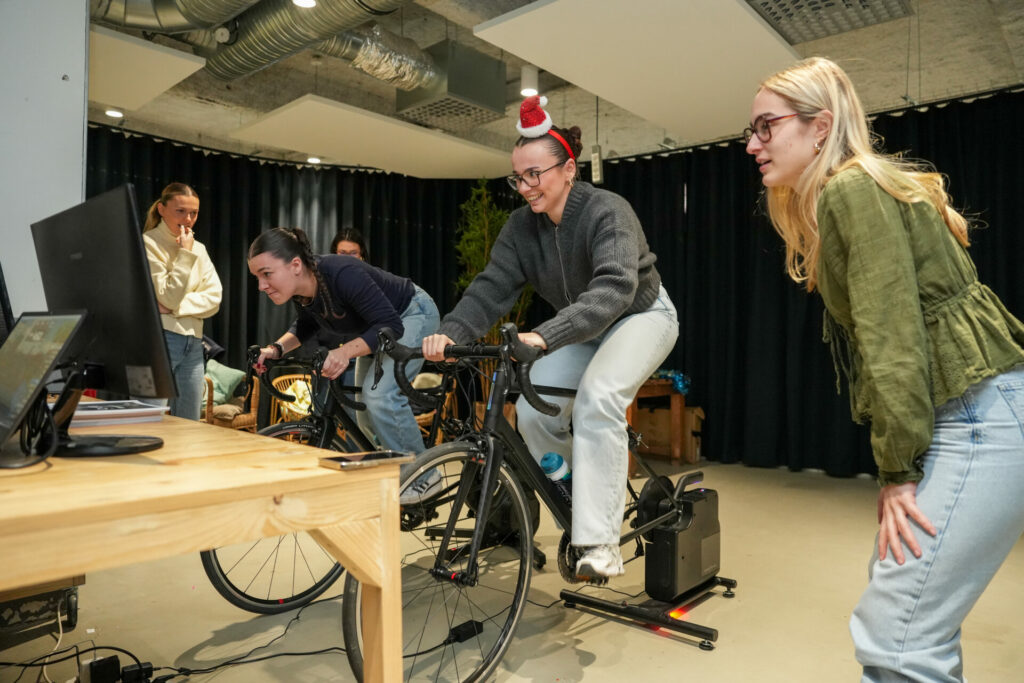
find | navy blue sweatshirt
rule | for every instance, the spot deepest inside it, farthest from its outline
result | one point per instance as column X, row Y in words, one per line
column 364, row 299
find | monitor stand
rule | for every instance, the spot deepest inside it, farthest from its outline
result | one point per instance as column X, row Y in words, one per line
column 92, row 445
column 105, row 444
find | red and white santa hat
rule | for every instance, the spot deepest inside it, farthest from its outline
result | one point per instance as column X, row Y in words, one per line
column 533, row 120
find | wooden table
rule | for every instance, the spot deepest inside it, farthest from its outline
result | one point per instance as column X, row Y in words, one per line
column 207, row 487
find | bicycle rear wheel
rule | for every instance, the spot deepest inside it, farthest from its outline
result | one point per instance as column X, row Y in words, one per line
column 454, row 632
column 279, row 573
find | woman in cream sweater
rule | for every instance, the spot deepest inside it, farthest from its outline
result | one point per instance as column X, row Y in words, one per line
column 187, row 289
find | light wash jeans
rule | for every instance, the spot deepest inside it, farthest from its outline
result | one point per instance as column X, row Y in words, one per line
column 607, row 371
column 906, row 626
column 187, row 364
column 388, row 414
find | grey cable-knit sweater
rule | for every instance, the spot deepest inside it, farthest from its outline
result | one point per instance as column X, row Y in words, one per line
column 593, row 268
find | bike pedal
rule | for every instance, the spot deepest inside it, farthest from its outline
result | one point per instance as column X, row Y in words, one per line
column 592, row 580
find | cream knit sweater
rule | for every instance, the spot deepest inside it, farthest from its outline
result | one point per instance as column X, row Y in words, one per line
column 184, row 281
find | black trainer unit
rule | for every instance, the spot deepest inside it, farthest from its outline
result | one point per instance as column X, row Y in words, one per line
column 683, row 555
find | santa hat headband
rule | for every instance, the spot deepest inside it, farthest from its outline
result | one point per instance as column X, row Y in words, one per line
column 534, row 122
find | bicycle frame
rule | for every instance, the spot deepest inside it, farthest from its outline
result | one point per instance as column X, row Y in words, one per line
column 500, row 443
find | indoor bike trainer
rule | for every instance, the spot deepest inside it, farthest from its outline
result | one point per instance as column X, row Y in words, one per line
column 681, row 563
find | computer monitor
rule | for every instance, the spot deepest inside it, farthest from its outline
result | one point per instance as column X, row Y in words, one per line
column 27, row 358
column 6, row 315
column 91, row 257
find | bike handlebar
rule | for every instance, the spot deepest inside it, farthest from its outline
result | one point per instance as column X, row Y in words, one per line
column 315, row 367
column 511, row 349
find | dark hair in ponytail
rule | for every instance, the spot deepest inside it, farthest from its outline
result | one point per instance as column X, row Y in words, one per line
column 286, row 244
column 573, row 136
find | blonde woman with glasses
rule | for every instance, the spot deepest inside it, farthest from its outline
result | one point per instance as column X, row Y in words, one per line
column 932, row 357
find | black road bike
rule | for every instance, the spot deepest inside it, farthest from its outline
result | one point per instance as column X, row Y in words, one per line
column 281, row 573
column 467, row 552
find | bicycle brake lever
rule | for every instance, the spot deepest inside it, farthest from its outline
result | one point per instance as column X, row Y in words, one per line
column 378, row 366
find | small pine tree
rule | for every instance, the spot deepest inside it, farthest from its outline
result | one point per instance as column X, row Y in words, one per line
column 481, row 221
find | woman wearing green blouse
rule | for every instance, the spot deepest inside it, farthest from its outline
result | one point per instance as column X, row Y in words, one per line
column 933, row 359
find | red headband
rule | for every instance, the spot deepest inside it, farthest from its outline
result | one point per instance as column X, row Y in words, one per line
column 565, row 144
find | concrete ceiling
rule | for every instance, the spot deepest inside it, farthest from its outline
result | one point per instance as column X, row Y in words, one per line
column 637, row 77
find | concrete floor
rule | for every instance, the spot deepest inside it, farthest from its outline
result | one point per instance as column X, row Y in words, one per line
column 797, row 543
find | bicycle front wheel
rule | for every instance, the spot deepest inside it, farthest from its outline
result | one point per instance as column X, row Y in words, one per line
column 279, row 573
column 454, row 631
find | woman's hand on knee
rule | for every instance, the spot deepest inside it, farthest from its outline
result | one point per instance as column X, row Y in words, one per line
column 897, row 505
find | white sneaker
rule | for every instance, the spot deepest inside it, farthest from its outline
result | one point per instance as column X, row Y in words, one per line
column 425, row 486
column 600, row 562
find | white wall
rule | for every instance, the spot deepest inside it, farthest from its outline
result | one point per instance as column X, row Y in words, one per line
column 44, row 50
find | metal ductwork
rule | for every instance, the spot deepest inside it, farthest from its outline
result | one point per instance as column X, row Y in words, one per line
column 167, row 16
column 470, row 91
column 379, row 53
column 275, row 29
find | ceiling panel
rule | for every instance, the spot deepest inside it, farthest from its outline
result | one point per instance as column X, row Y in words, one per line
column 126, row 72
column 341, row 134
column 691, row 66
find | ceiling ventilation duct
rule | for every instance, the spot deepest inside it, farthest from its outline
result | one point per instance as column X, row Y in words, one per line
column 275, row 29
column 799, row 21
column 469, row 92
column 167, row 16
column 375, row 51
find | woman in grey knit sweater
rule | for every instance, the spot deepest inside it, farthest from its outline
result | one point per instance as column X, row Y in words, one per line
column 585, row 253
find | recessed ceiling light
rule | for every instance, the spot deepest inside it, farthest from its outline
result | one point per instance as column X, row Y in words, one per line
column 114, row 113
column 304, row 3
column 313, row 160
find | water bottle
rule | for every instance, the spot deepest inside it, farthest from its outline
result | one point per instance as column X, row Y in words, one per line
column 557, row 470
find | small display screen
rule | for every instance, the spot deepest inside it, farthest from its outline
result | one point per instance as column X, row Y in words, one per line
column 27, row 358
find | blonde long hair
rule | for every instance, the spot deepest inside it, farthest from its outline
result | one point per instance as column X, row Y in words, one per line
column 811, row 87
column 170, row 192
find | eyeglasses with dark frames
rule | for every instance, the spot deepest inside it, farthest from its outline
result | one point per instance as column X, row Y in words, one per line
column 762, row 127
column 531, row 177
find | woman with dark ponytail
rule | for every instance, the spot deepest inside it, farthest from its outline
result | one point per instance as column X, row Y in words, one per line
column 348, row 298
column 187, row 289
column 585, row 253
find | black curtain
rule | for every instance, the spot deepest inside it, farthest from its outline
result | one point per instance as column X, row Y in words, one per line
column 750, row 339
column 409, row 224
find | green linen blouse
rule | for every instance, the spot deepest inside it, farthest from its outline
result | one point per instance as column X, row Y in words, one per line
column 907, row 320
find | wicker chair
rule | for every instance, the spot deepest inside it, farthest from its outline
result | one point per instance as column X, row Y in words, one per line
column 287, row 412
column 427, row 381
column 232, row 415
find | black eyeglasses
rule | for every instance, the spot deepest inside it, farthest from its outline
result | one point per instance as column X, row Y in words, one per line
column 531, row 177
column 762, row 127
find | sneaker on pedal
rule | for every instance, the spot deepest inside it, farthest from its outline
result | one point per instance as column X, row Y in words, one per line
column 426, row 485
column 600, row 562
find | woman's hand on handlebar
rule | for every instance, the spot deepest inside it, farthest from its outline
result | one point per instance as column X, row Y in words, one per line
column 434, row 346
column 335, row 364
column 533, row 339
column 266, row 353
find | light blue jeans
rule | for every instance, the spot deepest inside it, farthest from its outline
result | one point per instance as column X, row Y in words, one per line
column 388, row 415
column 186, row 353
column 906, row 626
column 607, row 371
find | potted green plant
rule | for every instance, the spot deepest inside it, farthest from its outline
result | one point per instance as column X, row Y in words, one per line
column 480, row 222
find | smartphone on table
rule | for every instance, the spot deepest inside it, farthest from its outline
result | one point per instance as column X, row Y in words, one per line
column 350, row 461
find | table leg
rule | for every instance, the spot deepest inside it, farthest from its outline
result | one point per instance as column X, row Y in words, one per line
column 370, row 550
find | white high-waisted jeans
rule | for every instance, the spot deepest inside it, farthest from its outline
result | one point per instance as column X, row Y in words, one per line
column 607, row 371
column 906, row 626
